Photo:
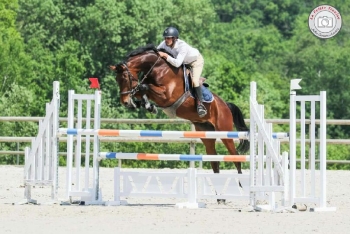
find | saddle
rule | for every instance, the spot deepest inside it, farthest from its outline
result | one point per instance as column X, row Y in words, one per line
column 207, row 95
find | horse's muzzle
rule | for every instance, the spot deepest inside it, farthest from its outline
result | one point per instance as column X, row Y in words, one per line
column 130, row 104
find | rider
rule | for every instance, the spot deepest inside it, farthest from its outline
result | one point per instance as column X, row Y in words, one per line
column 184, row 54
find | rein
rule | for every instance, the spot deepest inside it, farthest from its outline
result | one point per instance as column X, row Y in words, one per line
column 134, row 90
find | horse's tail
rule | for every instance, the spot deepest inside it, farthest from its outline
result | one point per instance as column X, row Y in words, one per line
column 240, row 125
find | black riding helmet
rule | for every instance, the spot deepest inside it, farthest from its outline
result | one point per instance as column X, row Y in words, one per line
column 171, row 32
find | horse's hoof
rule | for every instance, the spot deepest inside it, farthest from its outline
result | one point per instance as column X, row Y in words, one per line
column 221, row 201
column 154, row 110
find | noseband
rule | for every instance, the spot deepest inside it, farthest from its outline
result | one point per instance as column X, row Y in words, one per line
column 134, row 90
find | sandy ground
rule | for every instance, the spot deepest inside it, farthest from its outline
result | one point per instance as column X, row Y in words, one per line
column 154, row 215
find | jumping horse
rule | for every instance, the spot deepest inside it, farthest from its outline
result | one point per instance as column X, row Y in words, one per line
column 145, row 75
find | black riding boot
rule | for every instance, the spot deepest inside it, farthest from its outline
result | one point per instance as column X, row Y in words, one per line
column 200, row 107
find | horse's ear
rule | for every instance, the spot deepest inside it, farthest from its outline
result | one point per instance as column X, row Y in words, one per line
column 114, row 68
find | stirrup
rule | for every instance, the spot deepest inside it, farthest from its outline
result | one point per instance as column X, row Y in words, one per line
column 201, row 110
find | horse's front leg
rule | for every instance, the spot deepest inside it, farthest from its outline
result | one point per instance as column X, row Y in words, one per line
column 149, row 106
column 138, row 103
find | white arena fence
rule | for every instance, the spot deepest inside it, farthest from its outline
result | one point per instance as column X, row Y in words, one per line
column 268, row 176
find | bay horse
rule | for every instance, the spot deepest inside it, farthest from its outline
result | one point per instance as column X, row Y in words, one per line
column 144, row 74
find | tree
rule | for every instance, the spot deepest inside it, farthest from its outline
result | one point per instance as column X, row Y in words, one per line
column 12, row 56
column 280, row 13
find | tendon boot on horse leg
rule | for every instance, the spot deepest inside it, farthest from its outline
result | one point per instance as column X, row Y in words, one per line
column 201, row 110
column 150, row 107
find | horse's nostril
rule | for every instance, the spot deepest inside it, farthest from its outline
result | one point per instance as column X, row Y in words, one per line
column 125, row 103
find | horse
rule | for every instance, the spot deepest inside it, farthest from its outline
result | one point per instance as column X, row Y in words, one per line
column 145, row 75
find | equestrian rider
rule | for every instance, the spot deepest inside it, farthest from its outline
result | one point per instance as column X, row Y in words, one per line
column 184, row 54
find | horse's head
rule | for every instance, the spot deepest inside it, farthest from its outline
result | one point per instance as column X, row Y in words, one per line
column 131, row 74
column 127, row 81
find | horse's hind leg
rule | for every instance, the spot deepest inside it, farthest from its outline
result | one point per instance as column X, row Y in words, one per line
column 210, row 149
column 224, row 122
column 209, row 143
column 229, row 143
column 224, row 125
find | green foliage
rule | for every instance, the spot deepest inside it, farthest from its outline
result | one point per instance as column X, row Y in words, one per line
column 335, row 152
column 278, row 13
column 8, row 13
column 16, row 101
column 242, row 41
column 12, row 56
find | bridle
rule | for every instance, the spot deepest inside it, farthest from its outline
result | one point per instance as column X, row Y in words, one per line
column 137, row 88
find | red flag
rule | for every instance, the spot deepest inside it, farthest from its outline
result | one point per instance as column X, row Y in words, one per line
column 94, row 83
